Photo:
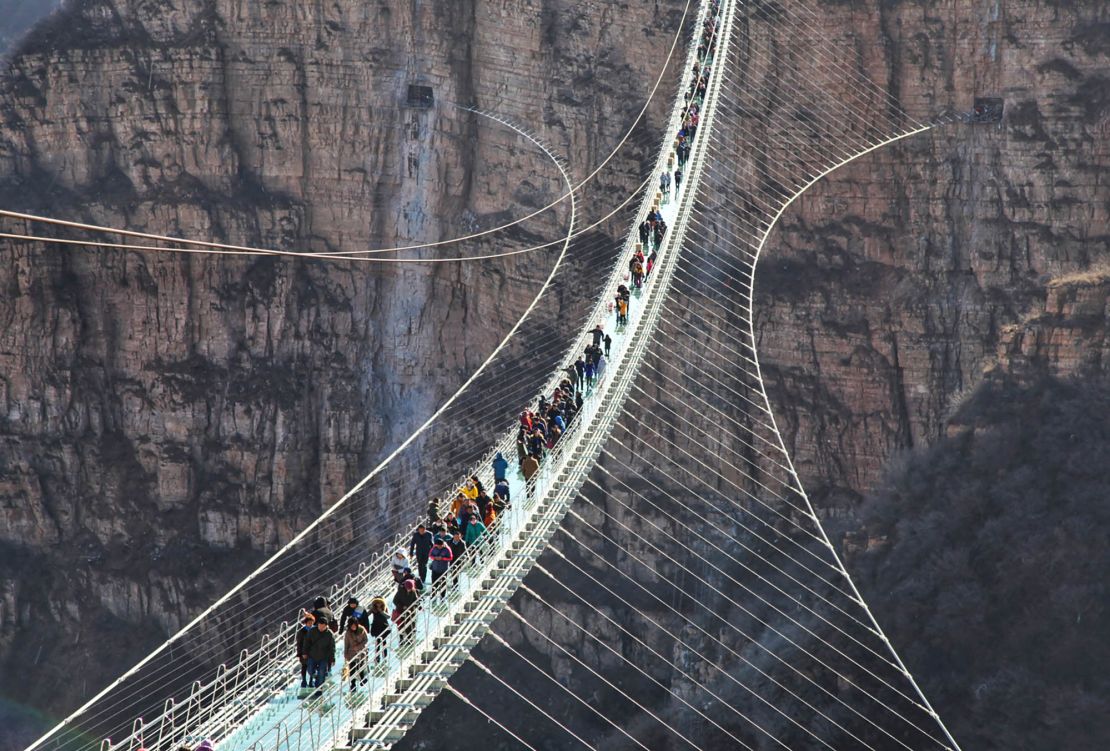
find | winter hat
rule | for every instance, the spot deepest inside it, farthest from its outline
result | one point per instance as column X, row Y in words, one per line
column 409, row 584
column 205, row 745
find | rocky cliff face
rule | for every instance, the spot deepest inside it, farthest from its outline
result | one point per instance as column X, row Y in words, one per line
column 891, row 287
column 162, row 415
column 164, row 420
column 884, row 296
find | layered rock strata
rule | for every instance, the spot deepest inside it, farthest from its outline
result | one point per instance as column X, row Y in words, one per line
column 166, row 420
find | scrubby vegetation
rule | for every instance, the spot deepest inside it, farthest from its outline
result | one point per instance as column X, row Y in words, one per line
column 988, row 565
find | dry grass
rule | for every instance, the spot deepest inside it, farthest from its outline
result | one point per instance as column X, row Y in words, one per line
column 1097, row 274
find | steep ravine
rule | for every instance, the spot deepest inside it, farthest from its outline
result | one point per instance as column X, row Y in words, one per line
column 198, row 410
column 164, row 420
column 884, row 297
column 893, row 284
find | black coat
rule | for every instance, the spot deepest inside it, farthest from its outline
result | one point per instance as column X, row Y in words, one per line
column 302, row 632
column 404, row 599
column 320, row 645
column 421, row 544
column 380, row 624
column 363, row 617
column 457, row 549
column 325, row 614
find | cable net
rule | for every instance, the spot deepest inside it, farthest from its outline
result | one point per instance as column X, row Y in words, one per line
column 693, row 576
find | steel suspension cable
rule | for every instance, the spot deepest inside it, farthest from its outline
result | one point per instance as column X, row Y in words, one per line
column 727, row 622
column 512, row 611
column 566, row 690
column 662, row 628
column 475, row 661
column 738, row 655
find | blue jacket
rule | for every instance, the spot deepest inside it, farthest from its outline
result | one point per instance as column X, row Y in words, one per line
column 441, row 559
column 500, row 466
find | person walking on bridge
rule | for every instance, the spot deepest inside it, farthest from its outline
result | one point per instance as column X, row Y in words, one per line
column 502, row 489
column 500, row 468
column 355, row 639
column 434, row 510
column 322, row 612
column 440, row 559
column 320, row 649
column 420, row 546
column 529, row 467
column 353, row 613
column 470, row 490
column 474, row 529
column 404, row 615
column 457, row 545
column 399, row 562
column 379, row 627
column 658, row 232
column 598, row 334
column 308, row 625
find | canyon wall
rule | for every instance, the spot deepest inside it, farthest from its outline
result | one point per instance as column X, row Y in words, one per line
column 893, row 284
column 897, row 290
column 167, row 419
column 169, row 414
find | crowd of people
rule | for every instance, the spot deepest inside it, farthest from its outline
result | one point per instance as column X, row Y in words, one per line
column 453, row 528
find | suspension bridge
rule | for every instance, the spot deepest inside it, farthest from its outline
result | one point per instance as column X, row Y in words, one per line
column 669, row 514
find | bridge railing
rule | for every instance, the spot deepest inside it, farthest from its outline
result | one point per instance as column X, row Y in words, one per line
column 238, row 693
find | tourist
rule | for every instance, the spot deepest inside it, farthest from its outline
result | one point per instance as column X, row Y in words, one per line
column 598, row 334
column 502, row 489
column 322, row 612
column 500, row 468
column 441, row 556
column 474, row 529
column 320, row 649
column 353, row 612
column 399, row 563
column 308, row 625
column 379, row 627
column 403, row 601
column 419, row 547
column 355, row 638
column 457, row 545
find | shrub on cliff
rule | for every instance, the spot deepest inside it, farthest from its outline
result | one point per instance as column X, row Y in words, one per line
column 992, row 578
